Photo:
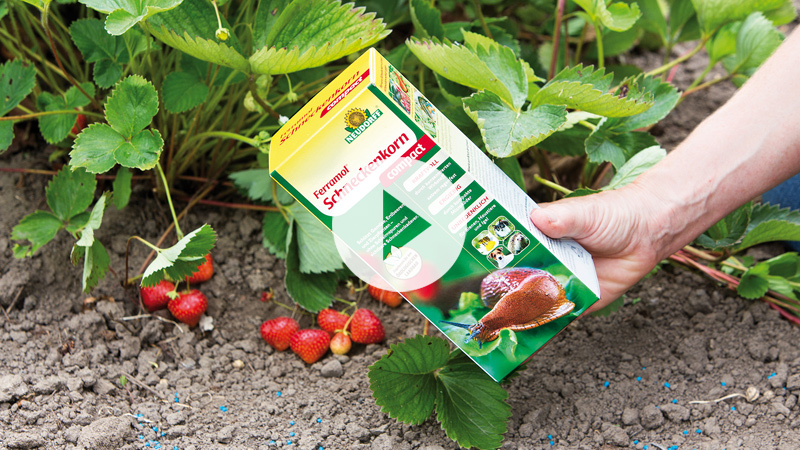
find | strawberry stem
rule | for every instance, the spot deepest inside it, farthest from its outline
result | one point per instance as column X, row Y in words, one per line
column 178, row 231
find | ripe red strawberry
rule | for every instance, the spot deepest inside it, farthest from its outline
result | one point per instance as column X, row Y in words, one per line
column 277, row 332
column 310, row 345
column 203, row 273
column 331, row 320
column 188, row 307
column 391, row 298
column 366, row 328
column 341, row 343
column 155, row 297
column 80, row 124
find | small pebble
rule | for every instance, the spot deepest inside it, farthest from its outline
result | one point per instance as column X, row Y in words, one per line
column 223, row 408
column 238, row 364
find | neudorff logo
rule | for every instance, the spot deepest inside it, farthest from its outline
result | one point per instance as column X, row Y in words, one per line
column 357, row 121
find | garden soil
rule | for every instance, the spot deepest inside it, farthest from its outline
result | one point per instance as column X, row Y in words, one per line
column 627, row 380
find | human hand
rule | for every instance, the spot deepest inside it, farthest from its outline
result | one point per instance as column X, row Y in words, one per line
column 625, row 230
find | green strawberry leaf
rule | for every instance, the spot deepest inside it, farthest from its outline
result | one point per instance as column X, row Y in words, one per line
column 275, row 230
column 426, row 18
column 490, row 67
column 256, row 184
column 317, row 249
column 38, row 228
column 6, row 134
column 754, row 283
column 782, row 15
column 99, row 147
column 712, row 14
column 94, row 222
column 770, row 223
column 723, row 42
column 56, row 128
column 17, row 79
column 122, row 187
column 665, row 97
column 3, row 8
column 404, row 381
column 586, row 89
column 727, row 231
column 181, row 259
column 616, row 16
column 507, row 132
column 635, row 166
column 756, row 40
column 471, row 407
column 267, row 14
column 604, row 144
column 131, row 106
column 95, row 264
column 183, row 91
column 653, row 19
column 70, row 192
column 314, row 292
column 108, row 52
column 310, row 33
column 122, row 15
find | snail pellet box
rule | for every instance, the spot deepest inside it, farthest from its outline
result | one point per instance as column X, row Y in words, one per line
column 417, row 208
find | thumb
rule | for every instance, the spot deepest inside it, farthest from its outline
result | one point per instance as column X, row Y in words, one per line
column 558, row 220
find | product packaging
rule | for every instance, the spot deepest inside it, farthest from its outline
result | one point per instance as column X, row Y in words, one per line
column 418, row 208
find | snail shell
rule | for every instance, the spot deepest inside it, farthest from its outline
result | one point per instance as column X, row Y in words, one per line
column 521, row 298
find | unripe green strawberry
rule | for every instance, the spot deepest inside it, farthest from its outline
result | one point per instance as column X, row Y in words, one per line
column 366, row 328
column 310, row 345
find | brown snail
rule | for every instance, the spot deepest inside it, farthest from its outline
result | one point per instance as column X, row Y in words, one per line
column 521, row 298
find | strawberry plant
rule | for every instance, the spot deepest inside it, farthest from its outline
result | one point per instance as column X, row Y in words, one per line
column 186, row 95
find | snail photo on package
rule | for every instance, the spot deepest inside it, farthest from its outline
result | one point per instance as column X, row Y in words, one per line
column 417, row 208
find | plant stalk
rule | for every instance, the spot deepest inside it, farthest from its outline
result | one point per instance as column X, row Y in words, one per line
column 557, row 39
column 551, row 185
column 178, row 231
column 677, row 60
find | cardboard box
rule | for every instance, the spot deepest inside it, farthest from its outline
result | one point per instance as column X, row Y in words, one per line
column 419, row 209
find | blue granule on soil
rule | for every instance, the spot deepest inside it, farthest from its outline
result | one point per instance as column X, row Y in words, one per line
column 685, row 432
column 638, row 378
column 733, row 408
column 291, row 434
column 223, row 408
column 675, row 400
column 723, row 384
column 699, row 431
column 319, row 419
column 291, row 423
column 606, row 384
column 666, row 385
column 278, row 393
